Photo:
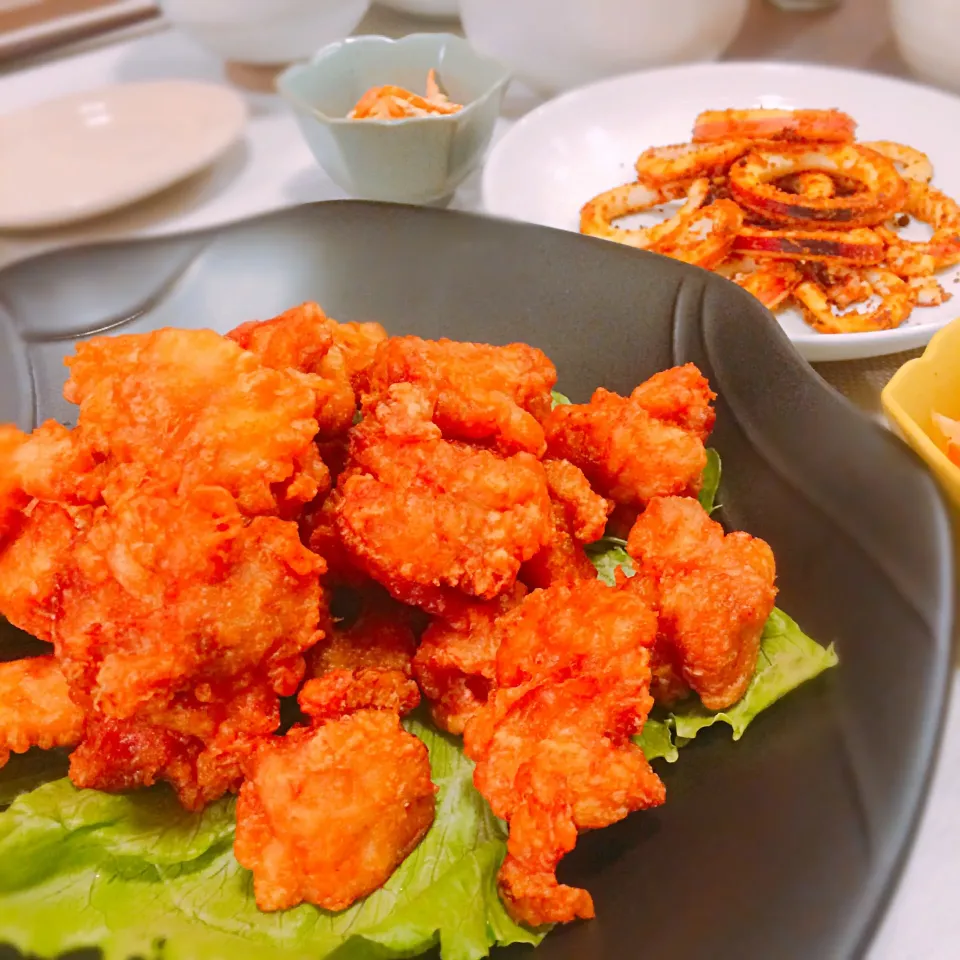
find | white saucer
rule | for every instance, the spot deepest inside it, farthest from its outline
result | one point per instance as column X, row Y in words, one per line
column 562, row 154
column 77, row 157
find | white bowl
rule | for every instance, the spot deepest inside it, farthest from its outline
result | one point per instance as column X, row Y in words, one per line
column 557, row 44
column 425, row 8
column 265, row 31
column 926, row 32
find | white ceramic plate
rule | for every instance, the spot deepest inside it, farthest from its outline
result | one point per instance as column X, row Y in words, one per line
column 572, row 148
column 77, row 157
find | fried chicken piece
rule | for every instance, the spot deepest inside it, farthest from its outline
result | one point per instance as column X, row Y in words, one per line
column 191, row 408
column 198, row 746
column 305, row 339
column 681, row 396
column 483, row 393
column 456, row 662
column 164, row 594
column 715, row 593
column 340, row 692
column 380, row 638
column 552, row 744
column 35, row 557
column 329, row 812
column 579, row 517
column 35, row 707
column 639, row 447
column 425, row 517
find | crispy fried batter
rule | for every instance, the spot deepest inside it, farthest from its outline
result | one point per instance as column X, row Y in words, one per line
column 552, row 744
column 483, row 394
column 681, row 396
column 340, row 692
column 305, row 339
column 633, row 449
column 165, row 593
column 715, row 593
column 380, row 638
column 579, row 516
column 424, row 516
column 198, row 746
column 328, row 813
column 35, row 707
column 190, row 408
column 455, row 663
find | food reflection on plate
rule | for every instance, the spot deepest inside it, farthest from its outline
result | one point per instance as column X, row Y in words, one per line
column 787, row 204
column 397, row 541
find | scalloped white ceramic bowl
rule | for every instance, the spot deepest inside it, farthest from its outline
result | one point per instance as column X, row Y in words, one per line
column 417, row 160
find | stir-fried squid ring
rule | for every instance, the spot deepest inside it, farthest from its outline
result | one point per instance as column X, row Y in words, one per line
column 597, row 216
column 911, row 164
column 909, row 258
column 706, row 237
column 929, row 291
column 858, row 246
column 770, row 281
column 751, row 184
column 815, row 185
column 897, row 297
column 819, row 126
column 659, row 166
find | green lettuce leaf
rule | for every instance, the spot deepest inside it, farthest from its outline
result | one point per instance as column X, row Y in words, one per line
column 787, row 659
column 26, row 771
column 711, row 481
column 128, row 873
column 608, row 555
column 656, row 741
column 558, row 398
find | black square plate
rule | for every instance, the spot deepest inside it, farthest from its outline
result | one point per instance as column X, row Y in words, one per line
column 783, row 846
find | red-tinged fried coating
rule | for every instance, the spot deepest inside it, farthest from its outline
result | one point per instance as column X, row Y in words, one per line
column 328, row 813
column 484, row 394
column 380, row 638
column 586, row 511
column 35, row 707
column 341, row 692
column 554, row 758
column 162, row 594
column 424, row 516
column 627, row 454
column 681, row 396
column 336, row 355
column 579, row 516
column 200, row 747
column 35, row 555
column 552, row 744
column 456, row 662
column 715, row 593
column 192, row 408
column 572, row 629
column 318, row 530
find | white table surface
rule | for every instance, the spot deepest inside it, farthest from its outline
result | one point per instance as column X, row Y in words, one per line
column 273, row 169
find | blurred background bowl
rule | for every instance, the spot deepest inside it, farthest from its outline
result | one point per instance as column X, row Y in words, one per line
column 927, row 33
column 268, row 32
column 418, row 160
column 557, row 44
column 433, row 9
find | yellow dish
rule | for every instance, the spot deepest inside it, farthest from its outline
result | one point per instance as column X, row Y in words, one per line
column 930, row 384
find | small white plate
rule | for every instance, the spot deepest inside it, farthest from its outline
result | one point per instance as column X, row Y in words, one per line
column 73, row 158
column 572, row 148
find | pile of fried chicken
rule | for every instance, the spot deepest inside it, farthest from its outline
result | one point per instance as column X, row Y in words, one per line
column 312, row 509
